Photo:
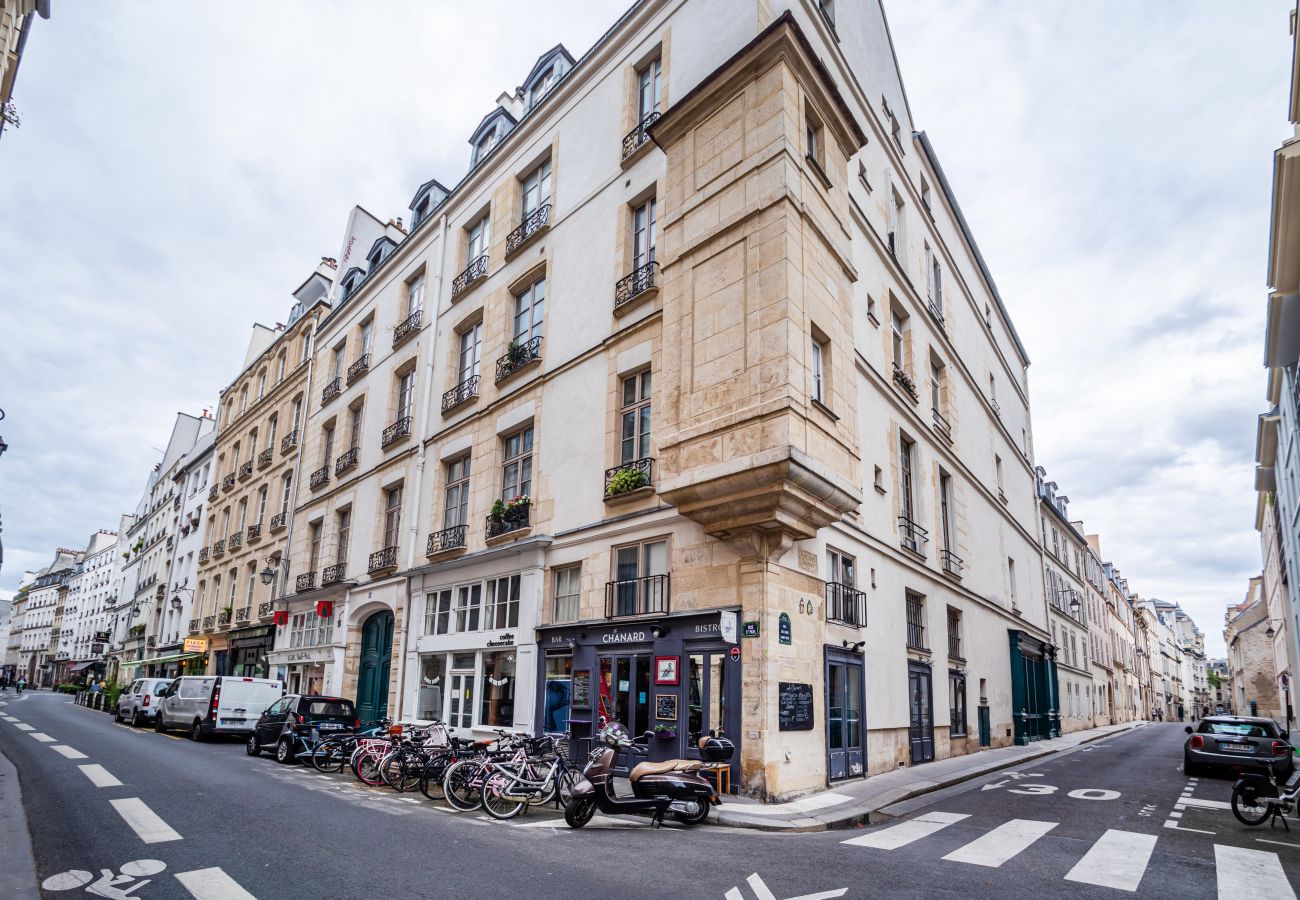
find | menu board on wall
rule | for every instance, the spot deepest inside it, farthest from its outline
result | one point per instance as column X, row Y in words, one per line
column 580, row 700
column 795, row 706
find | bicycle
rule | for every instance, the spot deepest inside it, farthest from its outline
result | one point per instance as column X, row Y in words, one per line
column 462, row 784
column 403, row 767
column 510, row 787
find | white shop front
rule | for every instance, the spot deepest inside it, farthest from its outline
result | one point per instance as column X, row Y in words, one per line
column 306, row 662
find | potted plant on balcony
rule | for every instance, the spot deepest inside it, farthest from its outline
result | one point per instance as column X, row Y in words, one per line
column 626, row 480
column 498, row 511
column 517, row 353
column 665, row 732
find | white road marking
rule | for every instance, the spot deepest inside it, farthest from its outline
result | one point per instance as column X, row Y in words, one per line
column 41, row 736
column 1279, row 843
column 1170, row 823
column 212, row 884
column 65, row 750
column 1117, row 860
column 9, row 718
column 1195, row 803
column 1246, row 873
column 1002, row 843
column 144, row 821
column 99, row 776
column 904, row 833
column 21, row 727
column 806, row 804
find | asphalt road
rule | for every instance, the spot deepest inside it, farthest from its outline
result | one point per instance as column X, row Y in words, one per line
column 211, row 822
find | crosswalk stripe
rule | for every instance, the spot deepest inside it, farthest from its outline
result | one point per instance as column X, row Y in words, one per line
column 994, row 848
column 904, row 833
column 212, row 884
column 1117, row 860
column 1250, row 873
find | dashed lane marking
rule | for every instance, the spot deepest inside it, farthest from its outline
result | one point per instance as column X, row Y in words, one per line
column 99, row 776
column 68, row 752
column 212, row 884
column 41, row 736
column 146, row 823
column 23, row 727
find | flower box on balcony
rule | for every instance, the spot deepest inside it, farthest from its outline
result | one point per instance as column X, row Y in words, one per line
column 519, row 356
column 629, row 482
column 508, row 520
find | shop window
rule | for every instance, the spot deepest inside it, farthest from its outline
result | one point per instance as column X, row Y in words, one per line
column 460, row 697
column 437, row 612
column 469, row 606
column 502, row 604
column 706, row 699
column 498, row 691
column 432, row 683
column 559, row 684
column 957, row 704
column 568, row 593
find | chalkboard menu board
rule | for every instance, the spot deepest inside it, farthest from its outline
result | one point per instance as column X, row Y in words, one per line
column 580, row 699
column 795, row 706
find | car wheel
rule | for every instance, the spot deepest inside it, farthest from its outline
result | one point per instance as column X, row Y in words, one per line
column 196, row 732
column 253, row 748
column 158, row 724
column 117, row 714
column 137, row 720
column 284, row 751
column 1190, row 769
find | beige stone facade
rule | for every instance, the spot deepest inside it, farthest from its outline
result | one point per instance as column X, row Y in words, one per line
column 1251, row 663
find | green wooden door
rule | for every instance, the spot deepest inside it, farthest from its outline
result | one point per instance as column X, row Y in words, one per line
column 376, row 663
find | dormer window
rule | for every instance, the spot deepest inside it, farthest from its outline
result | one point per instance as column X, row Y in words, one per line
column 486, row 144
column 421, row 212
column 542, row 87
column 375, row 258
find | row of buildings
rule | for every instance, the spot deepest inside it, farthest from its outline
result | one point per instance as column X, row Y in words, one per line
column 693, row 403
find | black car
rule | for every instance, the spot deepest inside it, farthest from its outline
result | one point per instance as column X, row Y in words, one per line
column 1237, row 742
column 288, row 723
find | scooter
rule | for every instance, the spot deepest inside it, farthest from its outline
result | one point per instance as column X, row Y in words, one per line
column 673, row 785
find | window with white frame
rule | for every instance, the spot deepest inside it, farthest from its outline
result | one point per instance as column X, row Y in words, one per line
column 529, row 310
column 480, row 233
column 648, row 88
column 415, row 295
column 536, row 191
column 818, row 360
column 471, row 348
column 634, row 434
column 643, row 234
column 405, row 394
column 568, row 593
column 456, row 504
column 392, row 516
column 517, row 467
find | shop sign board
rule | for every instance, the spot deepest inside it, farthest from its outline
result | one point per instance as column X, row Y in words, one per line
column 783, row 629
column 196, row 645
column 794, row 706
column 727, row 622
column 503, row 640
column 580, row 698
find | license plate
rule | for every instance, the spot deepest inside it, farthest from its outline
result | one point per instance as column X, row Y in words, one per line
column 233, row 721
column 329, row 726
column 1223, row 745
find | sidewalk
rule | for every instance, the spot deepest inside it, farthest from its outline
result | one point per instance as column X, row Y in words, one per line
column 17, row 865
column 853, row 802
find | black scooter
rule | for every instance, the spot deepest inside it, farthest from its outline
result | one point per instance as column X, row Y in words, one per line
column 673, row 785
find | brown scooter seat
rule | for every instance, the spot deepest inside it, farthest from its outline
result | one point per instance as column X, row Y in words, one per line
column 668, row 765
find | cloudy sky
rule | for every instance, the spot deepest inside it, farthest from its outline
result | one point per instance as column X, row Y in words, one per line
column 181, row 167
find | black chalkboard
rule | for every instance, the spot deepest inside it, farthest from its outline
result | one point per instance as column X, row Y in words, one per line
column 581, row 696
column 666, row 707
column 795, row 706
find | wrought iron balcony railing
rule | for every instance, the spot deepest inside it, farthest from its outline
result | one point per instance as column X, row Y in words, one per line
column 265, row 608
column 519, row 356
column 636, row 138
column 289, row 442
column 347, row 461
column 941, row 425
column 912, row 535
column 935, row 309
column 246, row 471
column 331, row 390
column 359, row 368
column 452, row 538
column 407, row 327
column 475, row 272
column 533, row 224
column 466, row 390
column 253, row 533
column 219, row 548
column 244, row 614
column 382, row 560
column 846, row 605
column 629, row 477
column 213, row 491
column 194, row 626
column 204, row 554
column 395, row 432
column 320, row 477
column 265, row 458
column 279, row 520
column 223, row 617
column 209, row 622
column 305, row 582
column 951, row 562
column 514, row 518
column 228, row 483
column 331, row 575
column 641, row 281
column 637, row 596
column 997, row 407
column 235, row 541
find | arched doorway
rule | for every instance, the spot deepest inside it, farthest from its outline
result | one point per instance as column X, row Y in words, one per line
column 376, row 661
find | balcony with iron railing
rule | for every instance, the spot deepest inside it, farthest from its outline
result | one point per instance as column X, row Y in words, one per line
column 384, row 560
column 305, row 582
column 915, row 624
column 935, row 308
column 265, row 608
column 209, row 623
column 332, row 389
column 204, row 554
column 631, row 597
column 512, row 518
column 629, row 481
column 395, row 432
column 279, row 520
column 905, row 382
column 462, row 393
column 319, row 478
column 448, row 539
column 228, row 483
column 534, row 224
column 642, row 284
column 265, row 458
column 151, row 641
column 912, row 536
column 347, row 461
column 475, row 272
column 941, row 425
column 952, row 563
column 997, row 407
column 219, row 548
column 407, row 327
column 246, row 471
column 331, row 575
column 244, row 614
column 845, row 605
column 223, row 617
column 519, row 357
column 253, row 533
column 639, row 136
column 359, row 368
column 194, row 626
column 214, row 491
column 289, row 442
column 235, row 541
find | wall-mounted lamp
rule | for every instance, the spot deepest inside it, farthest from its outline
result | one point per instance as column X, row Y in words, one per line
column 573, row 645
column 659, row 630
column 854, row 646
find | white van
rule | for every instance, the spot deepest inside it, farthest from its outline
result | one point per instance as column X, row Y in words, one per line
column 205, row 705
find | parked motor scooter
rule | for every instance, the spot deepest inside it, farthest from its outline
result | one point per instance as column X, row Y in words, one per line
column 657, row 787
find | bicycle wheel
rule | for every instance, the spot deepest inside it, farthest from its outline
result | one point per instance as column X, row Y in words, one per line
column 460, row 786
column 404, row 774
column 367, row 769
column 330, row 756
column 1250, row 810
column 566, row 779
column 431, row 783
column 496, row 802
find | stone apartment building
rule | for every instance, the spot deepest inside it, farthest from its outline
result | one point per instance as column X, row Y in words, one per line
column 91, row 592
column 41, row 609
column 16, row 20
column 1250, row 656
column 1064, row 551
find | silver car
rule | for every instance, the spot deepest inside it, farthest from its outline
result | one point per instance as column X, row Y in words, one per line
column 1237, row 742
column 139, row 701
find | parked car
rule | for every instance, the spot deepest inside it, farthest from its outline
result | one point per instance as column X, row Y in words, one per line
column 205, row 705
column 1237, row 742
column 138, row 703
column 292, row 718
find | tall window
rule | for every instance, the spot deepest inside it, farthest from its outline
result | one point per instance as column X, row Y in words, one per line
column 327, row 444
column 437, row 612
column 841, row 568
column 456, row 508
column 297, row 412
column 818, row 356
column 286, row 492
column 906, row 451
column 643, row 234
column 517, row 471
column 280, row 366
column 234, row 585
column 367, row 336
column 954, row 633
column 936, row 282
column 529, row 308
column 340, row 356
column 997, row 471
column 243, row 513
column 956, row 704
column 945, row 509
column 392, row 516
column 635, row 429
column 415, row 294
column 648, row 84
column 1011, row 578
column 243, row 400
column 480, row 233
column 252, row 585
column 897, row 339
column 354, row 426
column 314, row 539
column 271, row 425
column 936, row 386
column 894, row 234
column 537, row 188
column 261, row 502
column 343, row 524
column 640, row 561
column 261, row 384
column 915, row 620
column 471, row 347
column 405, row 394
column 568, row 590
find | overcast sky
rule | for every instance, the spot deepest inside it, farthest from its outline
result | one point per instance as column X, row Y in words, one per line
column 181, row 167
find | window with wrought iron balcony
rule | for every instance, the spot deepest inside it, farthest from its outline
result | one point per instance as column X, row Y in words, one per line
column 846, row 605
column 384, row 560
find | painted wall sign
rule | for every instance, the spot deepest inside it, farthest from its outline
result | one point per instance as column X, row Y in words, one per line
column 196, row 645
column 783, row 629
column 794, row 706
column 504, row 640
column 728, row 626
column 750, row 630
column 581, row 696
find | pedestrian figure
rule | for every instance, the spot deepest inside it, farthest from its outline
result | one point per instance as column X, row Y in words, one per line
column 22, row 683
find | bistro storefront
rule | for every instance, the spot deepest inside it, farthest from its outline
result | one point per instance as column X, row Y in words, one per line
column 247, row 652
column 675, row 675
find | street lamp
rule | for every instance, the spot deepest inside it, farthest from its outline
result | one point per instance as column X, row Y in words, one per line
column 275, row 565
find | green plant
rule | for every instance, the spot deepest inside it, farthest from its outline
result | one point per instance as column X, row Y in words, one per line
column 516, row 352
column 111, row 693
column 626, row 480
column 498, row 511
column 135, row 630
column 70, row 688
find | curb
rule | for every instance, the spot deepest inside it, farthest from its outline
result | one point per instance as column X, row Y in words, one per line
column 17, row 864
column 855, row 813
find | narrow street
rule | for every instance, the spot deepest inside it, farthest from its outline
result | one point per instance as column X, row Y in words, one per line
column 1109, row 818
